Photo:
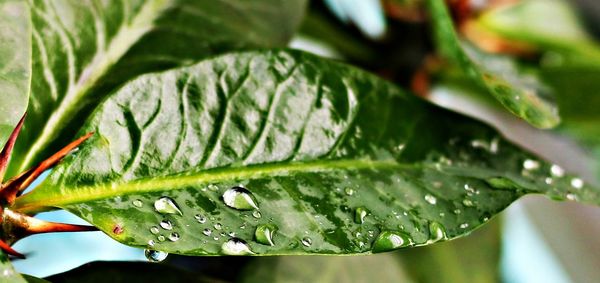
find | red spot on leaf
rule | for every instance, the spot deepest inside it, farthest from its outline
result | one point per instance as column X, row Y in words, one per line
column 118, row 229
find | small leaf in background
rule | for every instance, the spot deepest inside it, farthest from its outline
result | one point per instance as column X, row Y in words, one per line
column 82, row 50
column 7, row 272
column 310, row 141
column 519, row 92
column 15, row 64
column 325, row 269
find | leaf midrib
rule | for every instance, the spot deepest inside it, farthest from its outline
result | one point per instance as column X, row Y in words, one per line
column 95, row 70
column 37, row 200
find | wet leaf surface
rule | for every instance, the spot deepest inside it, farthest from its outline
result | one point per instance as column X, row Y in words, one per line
column 194, row 160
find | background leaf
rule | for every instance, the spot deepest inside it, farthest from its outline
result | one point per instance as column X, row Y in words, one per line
column 340, row 161
column 520, row 93
column 128, row 272
column 15, row 64
column 7, row 272
column 325, row 269
column 83, row 49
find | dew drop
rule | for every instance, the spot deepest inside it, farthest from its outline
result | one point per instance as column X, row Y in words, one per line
column 151, row 243
column 430, row 199
column 161, row 238
column 174, row 237
column 464, row 225
column 200, row 218
column 467, row 202
column 391, row 240
column 437, row 232
column 154, row 230
column 155, row 256
column 349, row 191
column 264, row 234
column 218, row 226
column 236, row 246
column 207, row 232
column 256, row 214
column 166, row 224
column 306, row 241
column 137, row 203
column 359, row 215
column 239, row 198
column 166, row 205
column 530, row 164
column 557, row 171
column 576, row 183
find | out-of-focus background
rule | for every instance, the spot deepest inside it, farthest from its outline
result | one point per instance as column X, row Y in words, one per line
column 534, row 240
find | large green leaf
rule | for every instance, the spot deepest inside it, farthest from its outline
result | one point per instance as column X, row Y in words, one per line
column 519, row 92
column 338, row 160
column 83, row 49
column 15, row 64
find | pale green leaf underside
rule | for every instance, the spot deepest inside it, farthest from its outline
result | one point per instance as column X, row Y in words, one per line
column 7, row 272
column 520, row 93
column 15, row 64
column 313, row 140
column 82, row 50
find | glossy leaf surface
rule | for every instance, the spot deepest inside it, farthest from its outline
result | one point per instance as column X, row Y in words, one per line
column 15, row 64
column 518, row 91
column 338, row 160
column 83, row 49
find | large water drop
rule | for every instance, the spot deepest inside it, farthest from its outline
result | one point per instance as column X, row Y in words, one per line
column 236, row 246
column 240, row 198
column 264, row 234
column 437, row 232
column 391, row 240
column 155, row 256
column 360, row 213
column 166, row 205
column 166, row 224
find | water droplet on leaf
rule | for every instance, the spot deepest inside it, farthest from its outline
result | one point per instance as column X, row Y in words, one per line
column 207, row 232
column 166, row 224
column 218, row 226
column 437, row 232
column 239, row 198
column 430, row 199
column 236, row 246
column 576, row 183
column 200, row 218
column 306, row 241
column 155, row 256
column 174, row 237
column 557, row 171
column 137, row 203
column 256, row 214
column 166, row 205
column 154, row 230
column 531, row 165
column 349, row 191
column 359, row 215
column 264, row 234
column 390, row 240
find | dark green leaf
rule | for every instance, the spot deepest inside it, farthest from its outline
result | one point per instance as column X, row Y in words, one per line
column 325, row 269
column 127, row 272
column 519, row 92
column 314, row 141
column 83, row 49
column 15, row 64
